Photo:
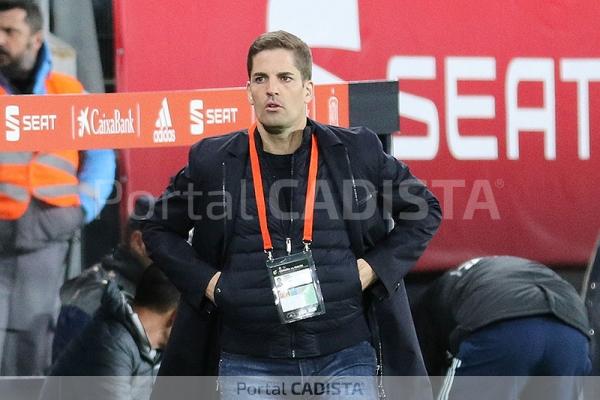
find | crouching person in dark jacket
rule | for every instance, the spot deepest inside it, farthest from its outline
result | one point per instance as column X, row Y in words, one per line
column 81, row 296
column 118, row 353
column 494, row 322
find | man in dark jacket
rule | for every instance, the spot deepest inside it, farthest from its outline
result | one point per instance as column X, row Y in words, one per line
column 81, row 296
column 121, row 344
column 249, row 197
column 503, row 316
column 591, row 295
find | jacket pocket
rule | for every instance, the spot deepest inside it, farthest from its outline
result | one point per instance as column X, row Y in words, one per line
column 356, row 279
column 225, row 296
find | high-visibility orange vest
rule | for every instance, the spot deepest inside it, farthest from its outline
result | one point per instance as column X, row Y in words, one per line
column 50, row 177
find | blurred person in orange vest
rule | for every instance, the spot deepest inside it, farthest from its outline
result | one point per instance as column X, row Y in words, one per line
column 45, row 197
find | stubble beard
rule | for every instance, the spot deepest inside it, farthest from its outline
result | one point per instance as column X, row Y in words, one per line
column 12, row 70
column 274, row 129
column 19, row 66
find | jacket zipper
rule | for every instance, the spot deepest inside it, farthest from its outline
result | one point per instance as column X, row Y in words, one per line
column 381, row 390
column 376, row 339
column 354, row 191
column 293, row 341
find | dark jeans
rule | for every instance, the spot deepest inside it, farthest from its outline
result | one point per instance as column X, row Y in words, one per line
column 346, row 374
column 526, row 358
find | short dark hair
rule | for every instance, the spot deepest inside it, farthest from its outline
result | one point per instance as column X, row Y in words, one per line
column 33, row 17
column 283, row 40
column 155, row 292
column 143, row 210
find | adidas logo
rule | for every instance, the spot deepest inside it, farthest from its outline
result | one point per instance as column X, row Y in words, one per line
column 164, row 132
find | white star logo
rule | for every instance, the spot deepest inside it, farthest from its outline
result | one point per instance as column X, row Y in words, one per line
column 84, row 122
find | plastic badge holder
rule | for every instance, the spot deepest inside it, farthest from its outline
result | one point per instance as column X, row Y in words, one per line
column 296, row 287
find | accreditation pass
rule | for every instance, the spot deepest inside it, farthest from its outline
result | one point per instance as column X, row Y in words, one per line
column 296, row 287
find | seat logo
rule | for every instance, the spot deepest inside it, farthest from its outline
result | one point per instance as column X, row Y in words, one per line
column 16, row 123
column 196, row 117
column 200, row 117
column 13, row 129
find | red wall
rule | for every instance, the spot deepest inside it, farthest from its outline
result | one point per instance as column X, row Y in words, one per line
column 522, row 60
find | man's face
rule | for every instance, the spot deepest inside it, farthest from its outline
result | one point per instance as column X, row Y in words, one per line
column 162, row 335
column 277, row 91
column 18, row 45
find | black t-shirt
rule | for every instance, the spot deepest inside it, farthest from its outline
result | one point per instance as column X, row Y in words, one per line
column 279, row 167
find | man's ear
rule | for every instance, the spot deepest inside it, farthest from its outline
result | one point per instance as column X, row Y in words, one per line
column 309, row 87
column 172, row 316
column 37, row 40
column 249, row 94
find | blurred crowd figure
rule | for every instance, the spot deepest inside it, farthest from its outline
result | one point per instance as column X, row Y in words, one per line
column 45, row 198
column 81, row 296
column 116, row 317
column 506, row 318
column 120, row 346
column 115, row 320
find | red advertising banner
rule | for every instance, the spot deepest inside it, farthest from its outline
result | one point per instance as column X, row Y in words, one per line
column 140, row 120
column 498, row 102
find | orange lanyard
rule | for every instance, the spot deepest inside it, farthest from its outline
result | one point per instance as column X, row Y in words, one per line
column 259, row 194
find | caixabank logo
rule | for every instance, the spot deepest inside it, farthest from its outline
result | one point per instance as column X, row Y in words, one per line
column 164, row 131
column 95, row 121
column 17, row 123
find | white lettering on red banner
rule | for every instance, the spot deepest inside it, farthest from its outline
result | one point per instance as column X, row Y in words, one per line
column 519, row 120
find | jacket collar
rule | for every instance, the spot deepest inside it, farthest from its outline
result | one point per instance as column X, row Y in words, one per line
column 237, row 145
column 43, row 67
column 115, row 305
column 325, row 136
